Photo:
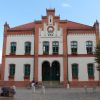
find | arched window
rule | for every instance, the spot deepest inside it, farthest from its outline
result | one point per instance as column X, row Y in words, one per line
column 27, row 47
column 11, row 70
column 55, row 47
column 13, row 47
column 27, row 71
column 74, row 71
column 89, row 47
column 45, row 47
column 90, row 68
column 74, row 47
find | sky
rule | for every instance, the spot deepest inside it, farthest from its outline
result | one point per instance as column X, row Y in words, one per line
column 17, row 12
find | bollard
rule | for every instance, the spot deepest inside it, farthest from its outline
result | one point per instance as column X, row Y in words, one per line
column 68, row 86
column 85, row 87
column 33, row 89
column 43, row 89
column 94, row 89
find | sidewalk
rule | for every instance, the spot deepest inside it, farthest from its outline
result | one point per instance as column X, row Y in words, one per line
column 56, row 94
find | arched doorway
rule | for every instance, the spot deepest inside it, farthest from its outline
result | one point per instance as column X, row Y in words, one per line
column 46, row 71
column 55, row 71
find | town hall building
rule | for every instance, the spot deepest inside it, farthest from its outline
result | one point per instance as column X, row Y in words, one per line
column 50, row 50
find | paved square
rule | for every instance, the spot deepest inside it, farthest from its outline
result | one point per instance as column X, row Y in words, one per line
column 56, row 94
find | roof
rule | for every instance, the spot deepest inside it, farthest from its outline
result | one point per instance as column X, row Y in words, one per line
column 30, row 25
column 69, row 25
column 75, row 25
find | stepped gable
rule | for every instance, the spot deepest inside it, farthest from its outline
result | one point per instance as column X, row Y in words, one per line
column 68, row 24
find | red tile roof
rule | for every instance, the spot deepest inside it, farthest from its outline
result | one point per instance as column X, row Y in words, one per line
column 69, row 25
column 24, row 26
column 75, row 25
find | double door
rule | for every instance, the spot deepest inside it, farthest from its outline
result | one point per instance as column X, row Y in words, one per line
column 51, row 73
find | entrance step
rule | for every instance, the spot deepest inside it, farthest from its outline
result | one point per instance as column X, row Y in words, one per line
column 52, row 84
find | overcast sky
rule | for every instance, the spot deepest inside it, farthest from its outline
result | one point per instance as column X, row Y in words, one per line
column 17, row 12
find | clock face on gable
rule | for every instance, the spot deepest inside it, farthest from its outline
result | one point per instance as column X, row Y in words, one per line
column 50, row 29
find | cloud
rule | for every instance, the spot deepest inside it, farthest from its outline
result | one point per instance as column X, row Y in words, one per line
column 66, row 5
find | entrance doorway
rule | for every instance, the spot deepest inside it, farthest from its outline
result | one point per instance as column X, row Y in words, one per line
column 51, row 73
column 46, row 71
column 55, row 71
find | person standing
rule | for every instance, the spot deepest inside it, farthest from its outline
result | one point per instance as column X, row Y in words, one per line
column 14, row 89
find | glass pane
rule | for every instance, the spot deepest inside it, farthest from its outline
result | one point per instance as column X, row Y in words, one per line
column 27, row 47
column 12, row 69
column 46, row 47
column 90, row 70
column 45, row 43
column 13, row 43
column 75, row 70
column 55, row 47
column 27, row 70
column 89, row 44
column 55, row 43
column 13, row 47
column 89, row 50
column 73, row 44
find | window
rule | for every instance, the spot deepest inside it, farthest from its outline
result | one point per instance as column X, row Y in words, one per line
column 50, row 20
column 89, row 47
column 27, row 70
column 74, row 47
column 13, row 47
column 27, row 47
column 90, row 71
column 45, row 47
column 74, row 71
column 55, row 47
column 12, row 70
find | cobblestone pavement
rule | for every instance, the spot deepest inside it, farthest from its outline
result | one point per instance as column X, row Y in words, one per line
column 56, row 94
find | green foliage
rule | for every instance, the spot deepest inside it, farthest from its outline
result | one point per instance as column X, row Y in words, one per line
column 97, row 55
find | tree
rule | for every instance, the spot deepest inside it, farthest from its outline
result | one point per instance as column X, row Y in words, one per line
column 97, row 55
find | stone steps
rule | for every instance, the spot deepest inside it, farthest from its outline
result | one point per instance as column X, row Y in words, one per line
column 52, row 84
